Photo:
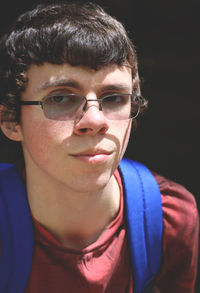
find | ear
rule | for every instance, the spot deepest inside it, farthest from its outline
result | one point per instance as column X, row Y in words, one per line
column 12, row 130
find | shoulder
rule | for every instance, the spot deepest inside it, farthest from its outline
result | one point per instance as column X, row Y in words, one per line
column 178, row 204
column 180, row 237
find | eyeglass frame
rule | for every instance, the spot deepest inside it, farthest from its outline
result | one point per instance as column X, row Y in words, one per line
column 99, row 100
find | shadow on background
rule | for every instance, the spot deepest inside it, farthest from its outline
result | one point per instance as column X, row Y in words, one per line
column 166, row 35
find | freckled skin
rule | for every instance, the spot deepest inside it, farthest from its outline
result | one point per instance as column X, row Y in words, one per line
column 48, row 145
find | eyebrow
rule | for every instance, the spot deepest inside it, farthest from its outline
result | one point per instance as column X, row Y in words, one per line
column 74, row 84
column 116, row 87
column 59, row 82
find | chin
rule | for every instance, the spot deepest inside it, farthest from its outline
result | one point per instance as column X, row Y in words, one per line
column 92, row 184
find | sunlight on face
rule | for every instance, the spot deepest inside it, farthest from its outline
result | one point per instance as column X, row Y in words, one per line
column 81, row 154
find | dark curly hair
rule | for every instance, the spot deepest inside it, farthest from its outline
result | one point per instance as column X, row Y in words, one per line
column 73, row 33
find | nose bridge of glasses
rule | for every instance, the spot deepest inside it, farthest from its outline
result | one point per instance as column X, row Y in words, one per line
column 96, row 103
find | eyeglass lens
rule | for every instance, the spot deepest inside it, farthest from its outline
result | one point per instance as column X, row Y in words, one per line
column 71, row 106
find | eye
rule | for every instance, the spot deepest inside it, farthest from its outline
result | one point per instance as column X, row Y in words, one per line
column 116, row 99
column 57, row 99
column 63, row 102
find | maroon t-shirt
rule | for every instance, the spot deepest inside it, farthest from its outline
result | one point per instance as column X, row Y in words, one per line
column 104, row 266
column 101, row 267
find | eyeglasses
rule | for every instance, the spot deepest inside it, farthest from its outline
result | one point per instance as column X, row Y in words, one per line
column 62, row 106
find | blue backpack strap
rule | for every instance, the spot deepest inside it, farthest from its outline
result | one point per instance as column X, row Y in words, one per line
column 144, row 222
column 16, row 231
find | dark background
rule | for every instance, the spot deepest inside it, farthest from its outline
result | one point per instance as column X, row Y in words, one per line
column 166, row 35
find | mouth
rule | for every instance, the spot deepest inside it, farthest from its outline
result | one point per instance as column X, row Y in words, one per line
column 93, row 156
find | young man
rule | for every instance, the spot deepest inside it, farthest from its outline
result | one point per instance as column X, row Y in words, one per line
column 70, row 94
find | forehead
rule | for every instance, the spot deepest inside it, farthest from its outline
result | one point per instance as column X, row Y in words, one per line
column 44, row 77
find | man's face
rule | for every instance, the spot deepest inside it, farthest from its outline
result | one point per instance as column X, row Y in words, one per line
column 82, row 155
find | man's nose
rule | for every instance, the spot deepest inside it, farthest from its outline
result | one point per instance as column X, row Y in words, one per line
column 93, row 121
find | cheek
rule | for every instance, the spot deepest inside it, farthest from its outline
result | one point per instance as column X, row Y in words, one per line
column 42, row 137
column 122, row 130
column 126, row 135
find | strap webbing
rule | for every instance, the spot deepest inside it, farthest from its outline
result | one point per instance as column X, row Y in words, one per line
column 144, row 221
column 16, row 231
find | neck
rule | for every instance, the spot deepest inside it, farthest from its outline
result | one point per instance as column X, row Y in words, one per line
column 76, row 219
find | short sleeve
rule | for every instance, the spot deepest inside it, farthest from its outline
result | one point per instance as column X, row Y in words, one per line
column 180, row 238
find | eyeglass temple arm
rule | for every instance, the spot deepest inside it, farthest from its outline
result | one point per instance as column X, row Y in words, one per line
column 30, row 102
